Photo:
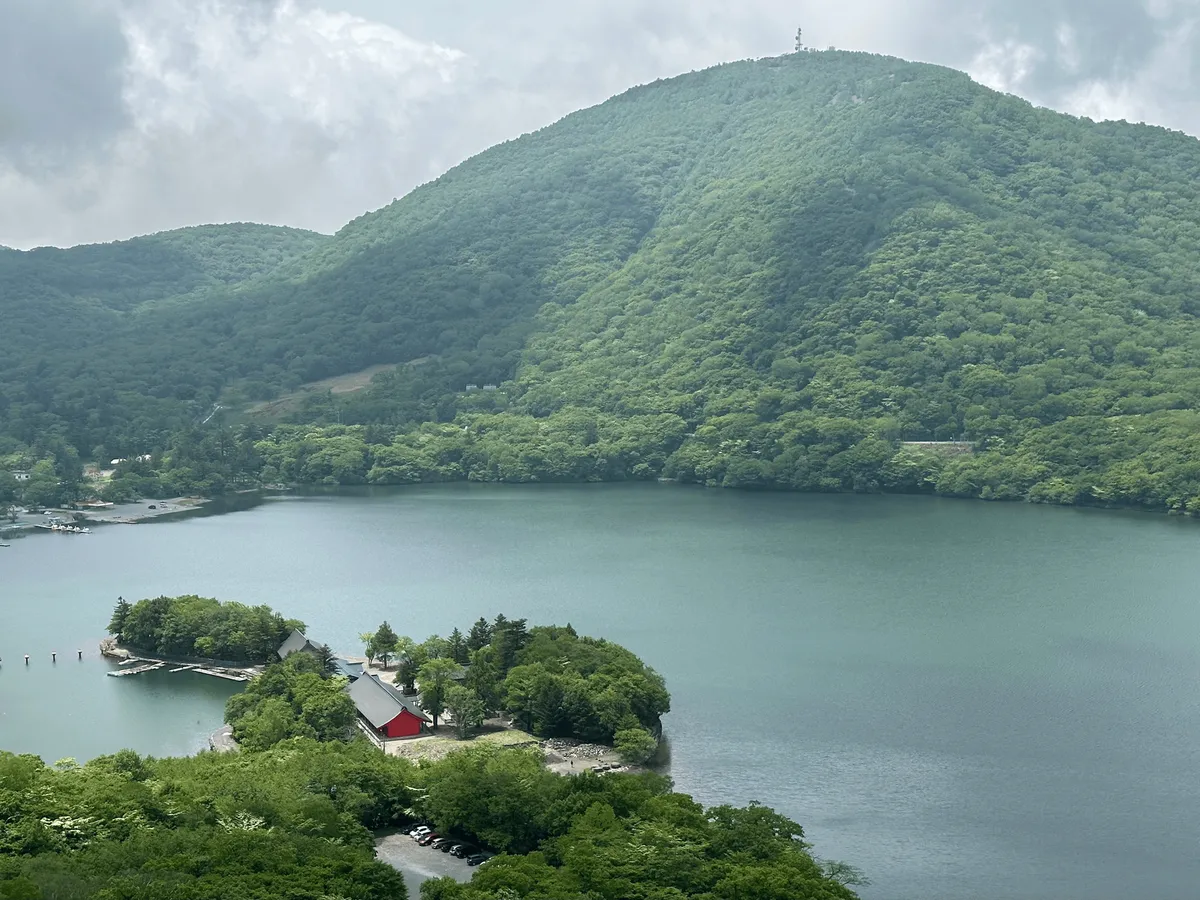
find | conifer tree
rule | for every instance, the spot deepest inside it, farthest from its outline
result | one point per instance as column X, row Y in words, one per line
column 119, row 616
column 383, row 643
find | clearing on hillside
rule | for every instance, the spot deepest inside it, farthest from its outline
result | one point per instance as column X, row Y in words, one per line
column 338, row 384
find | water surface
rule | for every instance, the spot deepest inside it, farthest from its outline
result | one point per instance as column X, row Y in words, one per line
column 963, row 699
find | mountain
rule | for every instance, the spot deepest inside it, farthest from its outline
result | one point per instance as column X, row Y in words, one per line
column 779, row 273
column 69, row 317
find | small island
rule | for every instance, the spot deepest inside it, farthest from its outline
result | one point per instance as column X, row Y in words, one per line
column 201, row 629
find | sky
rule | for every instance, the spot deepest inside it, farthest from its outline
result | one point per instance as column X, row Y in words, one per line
column 125, row 117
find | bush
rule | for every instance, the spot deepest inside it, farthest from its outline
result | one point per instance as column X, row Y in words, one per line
column 636, row 745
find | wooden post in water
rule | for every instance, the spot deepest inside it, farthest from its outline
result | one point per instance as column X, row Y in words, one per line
column 81, row 654
column 26, row 659
column 54, row 656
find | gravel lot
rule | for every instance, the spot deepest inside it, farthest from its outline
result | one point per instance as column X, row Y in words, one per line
column 419, row 863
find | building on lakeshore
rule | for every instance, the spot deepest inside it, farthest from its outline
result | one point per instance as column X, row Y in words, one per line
column 389, row 713
column 351, row 671
column 20, row 476
column 297, row 643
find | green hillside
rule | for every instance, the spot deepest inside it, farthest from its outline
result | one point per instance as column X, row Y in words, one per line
column 767, row 274
column 71, row 318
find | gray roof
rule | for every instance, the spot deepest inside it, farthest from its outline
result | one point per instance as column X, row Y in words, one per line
column 379, row 703
column 295, row 643
column 348, row 669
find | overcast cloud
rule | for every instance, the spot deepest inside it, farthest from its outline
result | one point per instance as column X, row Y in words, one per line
column 122, row 117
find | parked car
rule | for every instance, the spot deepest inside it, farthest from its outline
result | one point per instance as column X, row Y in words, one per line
column 478, row 858
column 441, row 842
column 448, row 846
column 463, row 851
column 426, row 839
column 420, row 831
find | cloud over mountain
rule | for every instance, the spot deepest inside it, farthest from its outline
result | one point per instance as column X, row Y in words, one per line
column 120, row 117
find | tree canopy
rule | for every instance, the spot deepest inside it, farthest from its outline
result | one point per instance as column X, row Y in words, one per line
column 551, row 680
column 202, row 627
column 295, row 821
column 294, row 698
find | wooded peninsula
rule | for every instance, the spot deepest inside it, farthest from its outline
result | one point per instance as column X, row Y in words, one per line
column 294, row 811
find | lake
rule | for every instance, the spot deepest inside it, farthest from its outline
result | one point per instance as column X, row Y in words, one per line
column 963, row 699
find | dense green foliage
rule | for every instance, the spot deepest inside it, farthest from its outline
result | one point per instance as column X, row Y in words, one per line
column 260, row 827
column 768, row 274
column 553, row 682
column 293, row 822
column 293, row 698
column 564, row 685
column 202, row 627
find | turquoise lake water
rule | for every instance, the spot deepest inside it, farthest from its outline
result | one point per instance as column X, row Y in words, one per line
column 963, row 699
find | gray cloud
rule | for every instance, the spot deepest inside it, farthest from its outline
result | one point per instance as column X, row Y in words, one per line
column 60, row 76
column 309, row 112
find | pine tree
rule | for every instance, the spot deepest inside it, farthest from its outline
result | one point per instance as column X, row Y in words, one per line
column 480, row 636
column 456, row 647
column 383, row 644
column 510, row 638
column 119, row 617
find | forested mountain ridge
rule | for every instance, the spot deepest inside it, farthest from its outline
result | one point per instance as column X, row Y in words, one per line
column 769, row 273
column 69, row 317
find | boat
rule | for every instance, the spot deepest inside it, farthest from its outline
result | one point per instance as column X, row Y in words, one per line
column 63, row 528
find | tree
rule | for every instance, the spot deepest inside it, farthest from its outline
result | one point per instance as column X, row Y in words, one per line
column 383, row 644
column 509, row 638
column 368, row 639
column 435, row 678
column 635, row 745
column 485, row 679
column 480, row 635
column 410, row 656
column 844, row 873
column 267, row 724
column 456, row 648
column 466, row 709
column 120, row 614
column 436, row 647
column 330, row 713
column 328, row 660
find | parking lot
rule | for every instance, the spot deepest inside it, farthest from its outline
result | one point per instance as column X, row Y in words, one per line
column 418, row 863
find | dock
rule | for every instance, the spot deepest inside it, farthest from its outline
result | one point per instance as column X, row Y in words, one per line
column 155, row 665
column 221, row 673
column 136, row 670
column 110, row 649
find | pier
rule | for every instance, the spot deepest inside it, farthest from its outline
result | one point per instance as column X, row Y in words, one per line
column 136, row 670
column 138, row 666
column 145, row 663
